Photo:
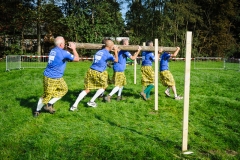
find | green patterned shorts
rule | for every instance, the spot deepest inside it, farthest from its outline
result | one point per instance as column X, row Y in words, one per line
column 166, row 78
column 147, row 75
column 96, row 80
column 53, row 88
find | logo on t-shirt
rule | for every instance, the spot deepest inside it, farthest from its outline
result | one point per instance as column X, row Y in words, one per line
column 51, row 57
column 98, row 57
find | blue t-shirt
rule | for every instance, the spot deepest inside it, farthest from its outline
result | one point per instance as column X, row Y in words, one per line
column 164, row 61
column 100, row 60
column 147, row 58
column 57, row 62
column 122, row 60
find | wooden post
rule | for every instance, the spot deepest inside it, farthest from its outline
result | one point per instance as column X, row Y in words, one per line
column 186, row 90
column 156, row 74
column 135, row 67
column 135, row 71
column 123, row 47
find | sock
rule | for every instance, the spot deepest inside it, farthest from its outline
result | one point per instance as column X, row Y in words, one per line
column 102, row 94
column 149, row 87
column 40, row 104
column 99, row 91
column 120, row 91
column 115, row 89
column 53, row 100
column 168, row 89
column 80, row 97
column 148, row 90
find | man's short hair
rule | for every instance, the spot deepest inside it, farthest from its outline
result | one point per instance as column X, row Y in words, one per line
column 58, row 40
column 148, row 43
column 123, row 41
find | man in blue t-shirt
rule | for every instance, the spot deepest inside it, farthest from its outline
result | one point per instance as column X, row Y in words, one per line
column 119, row 78
column 97, row 76
column 166, row 76
column 147, row 72
column 54, row 85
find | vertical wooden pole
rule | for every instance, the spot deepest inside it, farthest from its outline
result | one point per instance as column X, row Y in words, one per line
column 156, row 73
column 186, row 89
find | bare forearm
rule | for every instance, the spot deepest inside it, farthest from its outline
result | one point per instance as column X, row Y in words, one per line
column 76, row 56
column 176, row 52
column 136, row 53
column 116, row 56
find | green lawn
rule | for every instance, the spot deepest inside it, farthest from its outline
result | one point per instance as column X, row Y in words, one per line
column 130, row 129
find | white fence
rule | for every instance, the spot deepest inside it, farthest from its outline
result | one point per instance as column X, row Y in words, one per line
column 30, row 61
column 33, row 61
column 216, row 63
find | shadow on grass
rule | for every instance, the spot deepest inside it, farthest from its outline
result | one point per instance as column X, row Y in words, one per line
column 154, row 138
column 126, row 92
column 29, row 102
column 71, row 96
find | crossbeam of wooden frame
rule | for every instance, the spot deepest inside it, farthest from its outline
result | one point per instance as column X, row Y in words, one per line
column 123, row 47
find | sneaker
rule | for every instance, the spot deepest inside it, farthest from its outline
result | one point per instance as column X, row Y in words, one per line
column 178, row 98
column 49, row 108
column 92, row 104
column 73, row 108
column 108, row 98
column 36, row 114
column 143, row 95
column 167, row 93
column 119, row 98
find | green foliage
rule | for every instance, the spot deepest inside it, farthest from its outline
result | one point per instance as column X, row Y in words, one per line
column 90, row 23
column 13, row 49
column 215, row 24
column 129, row 129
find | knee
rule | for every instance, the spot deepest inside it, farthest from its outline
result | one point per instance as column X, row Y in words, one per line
column 87, row 91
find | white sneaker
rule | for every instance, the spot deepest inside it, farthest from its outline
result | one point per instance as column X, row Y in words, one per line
column 178, row 98
column 92, row 104
column 73, row 108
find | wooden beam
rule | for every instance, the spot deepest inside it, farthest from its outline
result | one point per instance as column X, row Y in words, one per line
column 123, row 47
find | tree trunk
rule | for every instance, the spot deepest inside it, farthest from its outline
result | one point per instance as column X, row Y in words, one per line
column 38, row 30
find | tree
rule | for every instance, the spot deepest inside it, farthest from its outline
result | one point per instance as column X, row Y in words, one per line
column 216, row 35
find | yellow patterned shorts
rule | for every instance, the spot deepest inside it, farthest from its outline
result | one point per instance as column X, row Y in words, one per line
column 119, row 79
column 166, row 78
column 147, row 75
column 53, row 88
column 95, row 79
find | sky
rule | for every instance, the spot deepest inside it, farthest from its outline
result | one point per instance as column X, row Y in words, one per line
column 124, row 9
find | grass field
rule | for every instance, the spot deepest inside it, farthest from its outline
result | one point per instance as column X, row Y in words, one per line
column 130, row 129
